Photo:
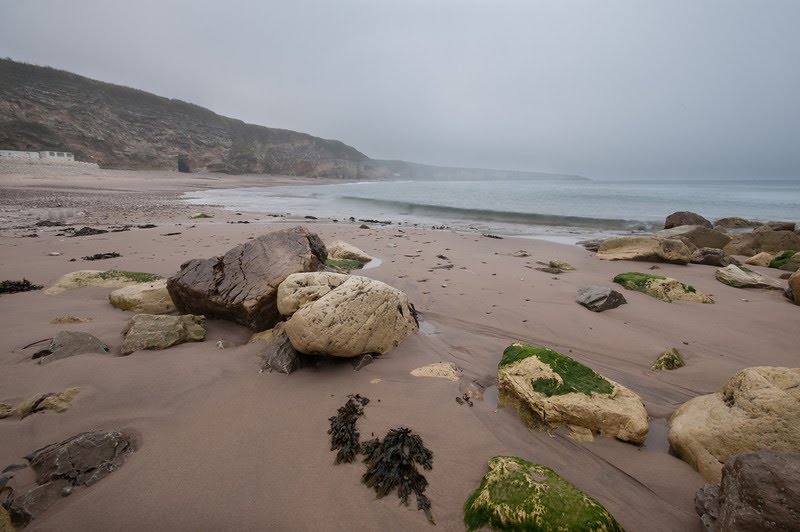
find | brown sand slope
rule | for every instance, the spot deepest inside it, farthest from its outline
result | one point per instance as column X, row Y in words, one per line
column 224, row 447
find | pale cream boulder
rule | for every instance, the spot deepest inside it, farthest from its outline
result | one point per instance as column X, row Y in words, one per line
column 349, row 318
column 757, row 409
column 303, row 288
column 144, row 298
column 550, row 390
column 645, row 248
column 760, row 259
column 734, row 276
column 340, row 250
column 101, row 278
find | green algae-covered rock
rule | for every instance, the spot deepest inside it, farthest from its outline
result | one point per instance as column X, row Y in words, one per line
column 786, row 260
column 550, row 390
column 668, row 360
column 345, row 264
column 518, row 495
column 660, row 287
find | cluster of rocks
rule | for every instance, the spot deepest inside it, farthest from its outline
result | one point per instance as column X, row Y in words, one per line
column 744, row 439
column 689, row 238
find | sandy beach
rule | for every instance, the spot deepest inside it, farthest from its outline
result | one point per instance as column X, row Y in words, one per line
column 221, row 446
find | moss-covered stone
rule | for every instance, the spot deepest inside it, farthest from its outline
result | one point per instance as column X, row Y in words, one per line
column 660, row 287
column 345, row 264
column 518, row 495
column 782, row 259
column 575, row 377
column 668, row 360
column 635, row 280
column 137, row 277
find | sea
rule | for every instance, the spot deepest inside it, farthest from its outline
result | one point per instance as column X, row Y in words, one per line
column 559, row 210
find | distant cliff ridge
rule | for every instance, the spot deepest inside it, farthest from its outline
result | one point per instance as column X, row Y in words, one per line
column 119, row 127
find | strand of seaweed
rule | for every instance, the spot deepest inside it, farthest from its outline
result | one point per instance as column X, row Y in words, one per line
column 391, row 462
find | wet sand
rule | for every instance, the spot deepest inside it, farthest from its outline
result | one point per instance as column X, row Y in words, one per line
column 224, row 447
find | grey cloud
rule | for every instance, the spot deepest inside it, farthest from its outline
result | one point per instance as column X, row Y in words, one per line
column 624, row 88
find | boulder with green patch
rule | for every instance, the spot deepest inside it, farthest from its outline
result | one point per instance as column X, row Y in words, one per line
column 518, row 495
column 668, row 360
column 660, row 287
column 344, row 264
column 106, row 279
column 550, row 390
column 788, row 260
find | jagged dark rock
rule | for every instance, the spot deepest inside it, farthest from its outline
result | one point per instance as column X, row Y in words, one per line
column 242, row 285
column 599, row 298
column 70, row 343
column 102, row 256
column 87, row 231
column 281, row 356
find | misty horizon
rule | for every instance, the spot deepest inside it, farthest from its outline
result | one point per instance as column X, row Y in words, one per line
column 671, row 90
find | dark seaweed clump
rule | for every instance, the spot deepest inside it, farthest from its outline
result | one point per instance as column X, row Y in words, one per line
column 12, row 287
column 344, row 435
column 391, row 463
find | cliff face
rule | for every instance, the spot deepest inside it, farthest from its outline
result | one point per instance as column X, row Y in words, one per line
column 120, row 127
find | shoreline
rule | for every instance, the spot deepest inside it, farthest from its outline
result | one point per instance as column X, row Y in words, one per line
column 206, row 419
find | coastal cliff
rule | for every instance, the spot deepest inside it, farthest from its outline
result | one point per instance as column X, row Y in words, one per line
column 120, row 127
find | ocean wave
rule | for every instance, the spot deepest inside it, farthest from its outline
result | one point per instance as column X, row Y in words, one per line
column 489, row 215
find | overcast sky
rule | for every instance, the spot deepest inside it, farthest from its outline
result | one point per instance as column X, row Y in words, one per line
column 628, row 88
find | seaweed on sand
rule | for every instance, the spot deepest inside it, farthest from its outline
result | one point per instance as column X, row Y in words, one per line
column 12, row 287
column 391, row 463
column 344, row 436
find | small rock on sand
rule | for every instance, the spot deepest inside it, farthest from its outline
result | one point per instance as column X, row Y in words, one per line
column 441, row 370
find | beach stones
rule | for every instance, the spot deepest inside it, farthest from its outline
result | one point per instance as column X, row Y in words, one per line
column 34, row 503
column 70, row 343
column 735, row 276
column 343, row 251
column 144, row 298
column 148, row 331
column 551, row 390
column 660, row 287
column 685, row 218
column 735, row 221
column 757, row 409
column 345, row 317
column 762, row 239
column 242, row 284
column 759, row 491
column 759, row 259
column 599, row 298
column 712, row 257
column 698, row 236
column 645, row 248
column 518, row 495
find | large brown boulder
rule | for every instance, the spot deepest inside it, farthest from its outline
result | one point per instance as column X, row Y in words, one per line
column 358, row 316
column 735, row 221
column 712, row 257
column 685, row 218
column 757, row 409
column 645, row 248
column 755, row 242
column 759, row 491
column 242, row 285
column 697, row 236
